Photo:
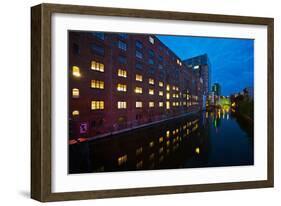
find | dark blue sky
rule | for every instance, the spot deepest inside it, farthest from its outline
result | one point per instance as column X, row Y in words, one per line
column 232, row 60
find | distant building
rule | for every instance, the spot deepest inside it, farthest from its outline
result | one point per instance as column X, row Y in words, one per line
column 249, row 92
column 202, row 66
column 119, row 80
column 216, row 88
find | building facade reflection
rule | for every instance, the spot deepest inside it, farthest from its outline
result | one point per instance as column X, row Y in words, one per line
column 188, row 142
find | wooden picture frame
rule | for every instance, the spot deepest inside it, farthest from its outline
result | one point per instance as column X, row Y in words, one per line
column 41, row 97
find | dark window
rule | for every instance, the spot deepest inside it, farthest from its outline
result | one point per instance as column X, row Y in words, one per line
column 177, row 75
column 138, row 116
column 151, row 70
column 138, row 45
column 97, row 49
column 76, row 49
column 99, row 35
column 138, row 66
column 122, row 60
column 101, row 122
column 93, row 124
column 139, row 54
column 160, row 66
column 151, row 53
column 150, row 61
column 160, row 58
column 161, row 75
column 160, row 48
column 122, row 45
column 123, row 35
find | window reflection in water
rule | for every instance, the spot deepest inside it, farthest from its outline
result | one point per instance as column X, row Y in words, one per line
column 184, row 142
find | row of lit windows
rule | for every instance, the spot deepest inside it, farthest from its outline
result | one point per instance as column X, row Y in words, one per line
column 123, row 159
column 151, row 104
column 99, row 105
column 121, row 73
column 94, row 66
column 97, row 84
column 122, row 88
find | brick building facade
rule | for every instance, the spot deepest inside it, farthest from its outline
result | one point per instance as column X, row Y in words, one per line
column 119, row 81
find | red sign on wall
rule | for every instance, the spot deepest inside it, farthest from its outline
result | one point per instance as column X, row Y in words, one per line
column 83, row 127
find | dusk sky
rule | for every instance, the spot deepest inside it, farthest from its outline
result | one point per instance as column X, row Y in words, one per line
column 232, row 60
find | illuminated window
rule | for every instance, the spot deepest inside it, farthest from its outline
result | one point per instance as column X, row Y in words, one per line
column 179, row 62
column 121, row 105
column 168, row 96
column 121, row 160
column 121, row 87
column 197, row 150
column 138, row 90
column 97, row 66
column 139, row 151
column 151, row 91
column 160, row 93
column 168, row 133
column 168, row 144
column 174, row 104
column 196, row 67
column 139, row 164
column 151, row 157
column 151, row 144
column 174, row 95
column 97, row 105
column 161, row 84
column 138, row 104
column 151, row 81
column 151, row 104
column 122, row 73
column 161, row 104
column 139, row 77
column 161, row 150
column 97, row 84
column 177, row 88
column 174, row 88
column 75, row 93
column 161, row 139
column 167, row 105
column 75, row 113
column 168, row 87
column 76, row 71
column 151, row 39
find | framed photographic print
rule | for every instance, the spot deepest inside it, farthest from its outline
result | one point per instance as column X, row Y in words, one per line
column 130, row 102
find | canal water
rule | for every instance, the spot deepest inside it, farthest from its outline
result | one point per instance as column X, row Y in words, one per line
column 206, row 139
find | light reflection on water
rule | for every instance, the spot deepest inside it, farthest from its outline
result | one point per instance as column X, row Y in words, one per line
column 207, row 139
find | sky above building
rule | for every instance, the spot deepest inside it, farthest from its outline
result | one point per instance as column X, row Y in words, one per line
column 232, row 60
